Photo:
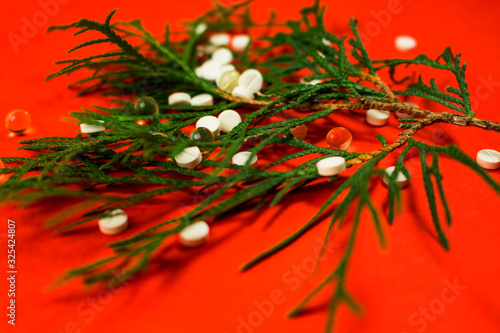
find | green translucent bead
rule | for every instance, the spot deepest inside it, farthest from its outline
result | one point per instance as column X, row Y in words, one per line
column 228, row 81
column 146, row 106
column 203, row 134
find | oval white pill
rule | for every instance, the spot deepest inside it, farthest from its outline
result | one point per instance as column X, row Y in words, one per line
column 405, row 43
column 251, row 79
column 377, row 117
column 331, row 166
column 488, row 159
column 404, row 115
column 401, row 179
column 228, row 120
column 220, row 39
column 179, row 98
column 241, row 92
column 299, row 132
column 114, row 223
column 210, row 122
column 200, row 28
column 198, row 71
column 240, row 42
column 92, row 128
column 202, row 99
column 189, row 157
column 222, row 56
column 242, row 157
column 194, row 234
column 210, row 70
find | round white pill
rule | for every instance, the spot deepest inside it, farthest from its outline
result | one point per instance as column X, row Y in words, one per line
column 401, row 179
column 189, row 157
column 299, row 132
column 377, row 117
column 210, row 70
column 220, row 39
column 241, row 92
column 228, row 119
column 251, row 79
column 194, row 234
column 222, row 56
column 242, row 157
column 331, row 166
column 114, row 222
column 200, row 28
column 404, row 115
column 198, row 71
column 488, row 159
column 210, row 122
column 92, row 128
column 240, row 42
column 179, row 98
column 405, row 43
column 202, row 99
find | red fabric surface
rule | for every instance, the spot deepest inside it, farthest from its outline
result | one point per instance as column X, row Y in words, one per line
column 201, row 290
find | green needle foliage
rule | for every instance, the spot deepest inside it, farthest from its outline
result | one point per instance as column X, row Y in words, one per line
column 142, row 155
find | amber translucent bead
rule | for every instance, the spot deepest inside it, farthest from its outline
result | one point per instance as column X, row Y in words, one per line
column 339, row 138
column 146, row 106
column 18, row 121
column 203, row 134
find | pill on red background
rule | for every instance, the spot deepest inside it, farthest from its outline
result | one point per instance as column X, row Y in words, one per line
column 339, row 138
column 488, row 159
column 189, row 158
column 299, row 132
column 242, row 157
column 401, row 179
column 210, row 122
column 92, row 128
column 17, row 121
column 220, row 39
column 331, row 166
column 194, row 234
column 405, row 43
column 377, row 117
column 114, row 222
column 179, row 98
column 228, row 119
column 202, row 99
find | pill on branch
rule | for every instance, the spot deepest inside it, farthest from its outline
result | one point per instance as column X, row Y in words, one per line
column 92, row 128
column 331, row 166
column 210, row 122
column 228, row 120
column 220, row 39
column 194, row 234
column 242, row 157
column 488, row 159
column 228, row 81
column 189, row 157
column 251, row 79
column 179, row 98
column 114, row 222
column 241, row 92
column 240, row 42
column 210, row 70
column 202, row 99
column 222, row 56
column 401, row 179
column 377, row 117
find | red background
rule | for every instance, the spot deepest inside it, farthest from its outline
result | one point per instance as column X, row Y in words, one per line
column 201, row 289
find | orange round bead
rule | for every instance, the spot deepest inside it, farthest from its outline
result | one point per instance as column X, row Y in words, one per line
column 339, row 138
column 18, row 121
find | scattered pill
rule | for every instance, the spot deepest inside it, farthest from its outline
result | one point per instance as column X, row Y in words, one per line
column 203, row 134
column 17, row 121
column 222, row 56
column 189, row 157
column 326, row 42
column 210, row 122
column 331, row 166
column 228, row 120
column 377, row 117
column 194, row 234
column 401, row 179
column 202, row 99
column 240, row 42
column 92, row 128
column 404, row 115
column 179, row 98
column 251, row 79
column 405, row 43
column 339, row 138
column 240, row 92
column 210, row 70
column 228, row 81
column 146, row 106
column 220, row 39
column 488, row 159
column 200, row 28
column 114, row 222
column 242, row 157
column 198, row 71
column 299, row 132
